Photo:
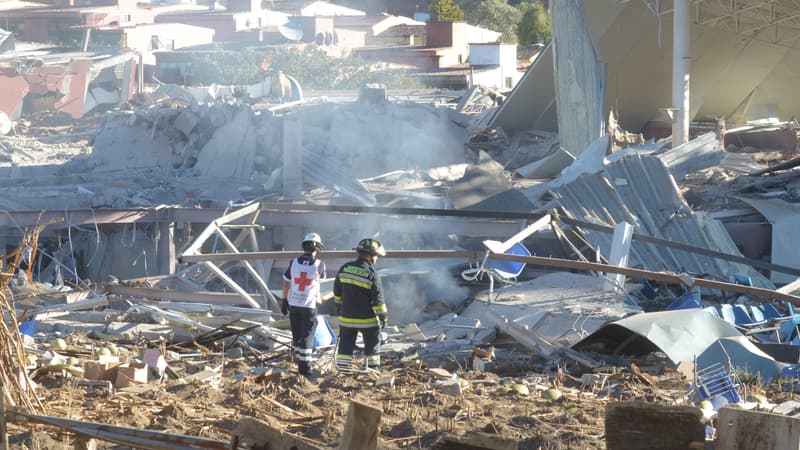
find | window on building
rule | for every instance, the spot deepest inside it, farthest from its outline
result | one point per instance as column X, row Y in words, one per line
column 509, row 82
column 154, row 43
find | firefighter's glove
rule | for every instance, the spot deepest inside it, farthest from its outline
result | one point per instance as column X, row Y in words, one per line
column 383, row 319
column 284, row 306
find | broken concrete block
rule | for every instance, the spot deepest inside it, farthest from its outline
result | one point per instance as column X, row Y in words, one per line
column 186, row 122
column 452, row 387
column 153, row 359
column 440, row 373
column 413, row 332
column 387, row 380
column 592, row 379
column 479, row 364
column 750, row 430
column 787, row 408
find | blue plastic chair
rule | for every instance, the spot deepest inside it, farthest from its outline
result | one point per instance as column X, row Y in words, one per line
column 686, row 301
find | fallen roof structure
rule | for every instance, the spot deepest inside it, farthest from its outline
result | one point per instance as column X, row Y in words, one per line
column 682, row 335
column 639, row 190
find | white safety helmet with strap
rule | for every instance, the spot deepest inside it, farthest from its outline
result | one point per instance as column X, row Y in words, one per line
column 315, row 239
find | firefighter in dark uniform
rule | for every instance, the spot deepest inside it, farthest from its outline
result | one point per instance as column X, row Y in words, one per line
column 360, row 305
column 301, row 295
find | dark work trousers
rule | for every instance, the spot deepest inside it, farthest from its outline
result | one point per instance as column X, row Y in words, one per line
column 347, row 343
column 304, row 322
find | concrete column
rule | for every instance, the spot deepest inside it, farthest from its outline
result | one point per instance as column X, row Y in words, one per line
column 166, row 248
column 292, row 158
column 681, row 58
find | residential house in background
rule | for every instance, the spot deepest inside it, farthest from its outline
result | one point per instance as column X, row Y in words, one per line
column 65, row 21
column 447, row 45
column 241, row 21
column 148, row 39
column 311, row 8
column 456, row 55
column 384, row 29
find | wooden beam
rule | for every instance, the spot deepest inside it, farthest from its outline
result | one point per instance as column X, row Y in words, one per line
column 255, row 433
column 638, row 425
column 754, row 430
column 285, row 256
column 133, row 437
column 362, row 427
column 664, row 277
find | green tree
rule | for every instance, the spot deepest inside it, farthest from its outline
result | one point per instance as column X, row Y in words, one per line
column 228, row 67
column 445, row 11
column 534, row 26
column 496, row 15
column 313, row 69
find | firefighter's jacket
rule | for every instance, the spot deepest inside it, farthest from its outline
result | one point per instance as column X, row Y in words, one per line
column 358, row 292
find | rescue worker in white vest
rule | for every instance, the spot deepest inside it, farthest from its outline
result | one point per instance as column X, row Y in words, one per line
column 358, row 295
column 301, row 295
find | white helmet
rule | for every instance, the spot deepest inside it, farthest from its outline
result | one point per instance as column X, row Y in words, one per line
column 314, row 238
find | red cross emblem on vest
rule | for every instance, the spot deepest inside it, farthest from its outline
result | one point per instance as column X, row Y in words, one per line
column 303, row 281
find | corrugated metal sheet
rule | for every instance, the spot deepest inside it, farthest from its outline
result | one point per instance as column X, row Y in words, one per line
column 640, row 190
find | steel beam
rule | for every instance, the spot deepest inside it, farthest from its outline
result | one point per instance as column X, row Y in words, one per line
column 285, row 256
column 664, row 277
column 468, row 223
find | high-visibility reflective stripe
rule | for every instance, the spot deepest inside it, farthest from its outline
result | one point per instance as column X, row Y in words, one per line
column 337, row 298
column 379, row 308
column 305, row 358
column 358, row 321
column 360, row 284
column 373, row 357
column 355, row 270
column 346, row 357
column 350, row 276
column 307, row 351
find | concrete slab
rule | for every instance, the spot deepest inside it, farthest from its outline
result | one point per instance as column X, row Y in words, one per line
column 560, row 307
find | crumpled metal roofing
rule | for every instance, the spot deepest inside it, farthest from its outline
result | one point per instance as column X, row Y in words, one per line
column 641, row 191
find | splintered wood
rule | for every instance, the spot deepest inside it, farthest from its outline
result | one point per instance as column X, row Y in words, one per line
column 18, row 388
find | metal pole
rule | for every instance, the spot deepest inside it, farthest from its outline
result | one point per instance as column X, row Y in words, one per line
column 680, row 72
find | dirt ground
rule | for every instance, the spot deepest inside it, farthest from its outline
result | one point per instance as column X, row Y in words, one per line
column 416, row 413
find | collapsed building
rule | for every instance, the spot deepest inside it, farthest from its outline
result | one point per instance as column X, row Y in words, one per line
column 174, row 228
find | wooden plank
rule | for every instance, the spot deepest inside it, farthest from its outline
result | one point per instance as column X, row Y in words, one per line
column 739, row 429
column 133, row 437
column 257, row 434
column 664, row 277
column 362, row 427
column 647, row 426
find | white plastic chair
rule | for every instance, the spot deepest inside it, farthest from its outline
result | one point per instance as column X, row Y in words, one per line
column 505, row 272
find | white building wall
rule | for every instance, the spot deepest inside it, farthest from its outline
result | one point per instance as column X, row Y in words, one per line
column 329, row 9
column 170, row 36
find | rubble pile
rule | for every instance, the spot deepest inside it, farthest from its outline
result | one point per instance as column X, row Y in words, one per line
column 492, row 343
